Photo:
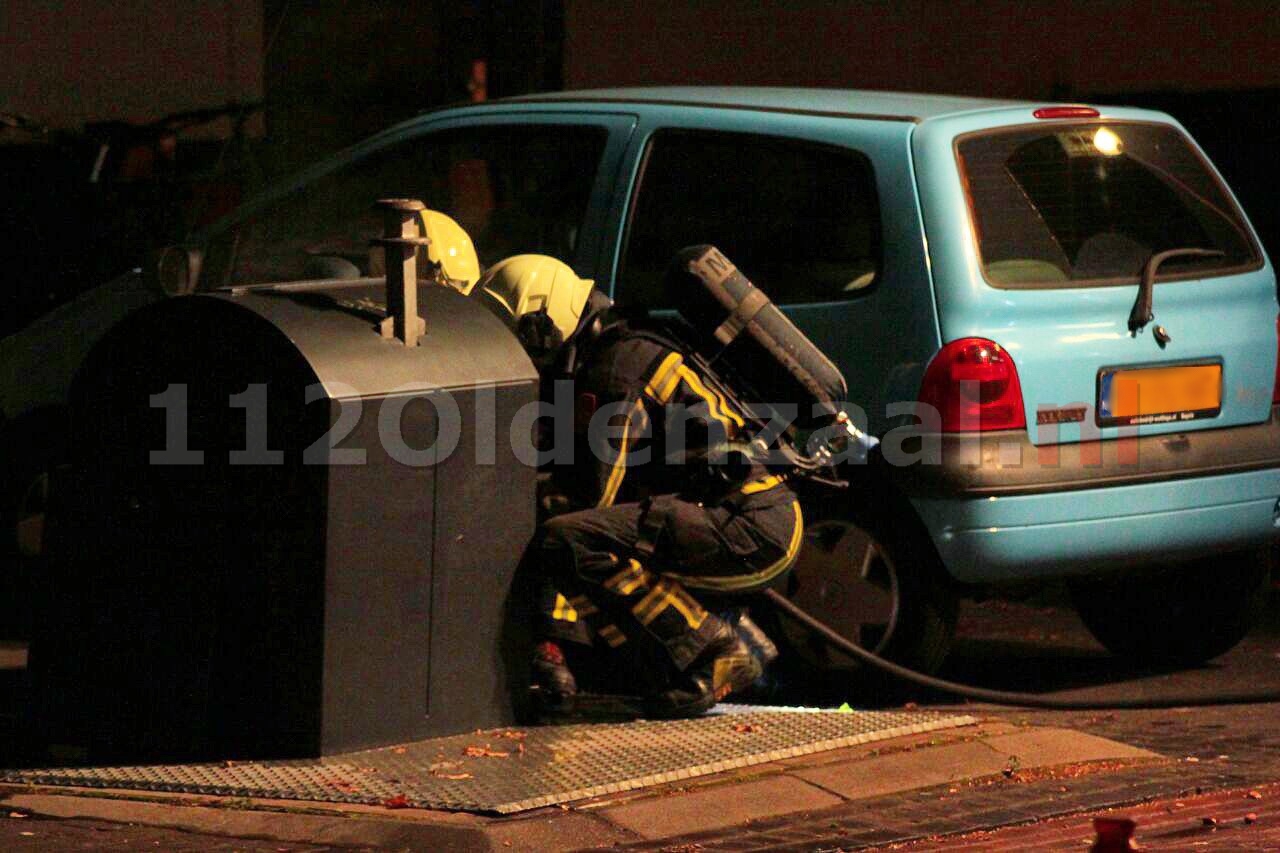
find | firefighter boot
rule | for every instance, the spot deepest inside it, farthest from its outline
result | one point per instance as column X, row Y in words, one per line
column 725, row 666
column 753, row 635
column 558, row 699
column 554, row 687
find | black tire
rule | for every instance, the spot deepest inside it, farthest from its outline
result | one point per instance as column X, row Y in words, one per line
column 879, row 542
column 1187, row 615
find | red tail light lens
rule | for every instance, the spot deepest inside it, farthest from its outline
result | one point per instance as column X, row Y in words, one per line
column 1275, row 393
column 1066, row 112
column 973, row 384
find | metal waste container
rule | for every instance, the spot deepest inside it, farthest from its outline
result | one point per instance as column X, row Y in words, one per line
column 284, row 534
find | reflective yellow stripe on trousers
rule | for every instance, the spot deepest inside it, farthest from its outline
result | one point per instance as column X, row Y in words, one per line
column 737, row 582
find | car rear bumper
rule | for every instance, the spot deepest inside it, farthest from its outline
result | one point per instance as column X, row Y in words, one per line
column 1029, row 537
column 1005, row 464
column 1164, row 498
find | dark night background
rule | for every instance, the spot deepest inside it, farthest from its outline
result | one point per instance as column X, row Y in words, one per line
column 286, row 82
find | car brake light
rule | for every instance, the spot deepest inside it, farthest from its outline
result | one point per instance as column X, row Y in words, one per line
column 973, row 384
column 1275, row 392
column 1066, row 112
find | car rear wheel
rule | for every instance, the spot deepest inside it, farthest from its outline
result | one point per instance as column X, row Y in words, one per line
column 874, row 580
column 1187, row 615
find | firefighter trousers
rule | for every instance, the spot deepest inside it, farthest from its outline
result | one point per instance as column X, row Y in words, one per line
column 628, row 570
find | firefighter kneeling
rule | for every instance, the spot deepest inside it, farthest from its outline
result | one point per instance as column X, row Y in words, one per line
column 678, row 510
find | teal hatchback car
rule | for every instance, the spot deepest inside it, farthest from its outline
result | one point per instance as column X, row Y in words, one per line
column 1056, row 318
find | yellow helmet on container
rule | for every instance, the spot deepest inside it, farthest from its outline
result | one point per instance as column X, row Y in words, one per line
column 528, row 284
column 451, row 250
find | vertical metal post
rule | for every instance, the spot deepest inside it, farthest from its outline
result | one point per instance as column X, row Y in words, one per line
column 400, row 242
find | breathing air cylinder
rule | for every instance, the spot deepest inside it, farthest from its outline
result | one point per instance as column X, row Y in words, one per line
column 743, row 336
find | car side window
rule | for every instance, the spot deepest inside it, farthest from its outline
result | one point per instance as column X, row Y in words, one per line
column 801, row 219
column 514, row 188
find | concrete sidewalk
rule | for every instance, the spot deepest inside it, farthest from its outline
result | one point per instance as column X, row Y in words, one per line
column 799, row 792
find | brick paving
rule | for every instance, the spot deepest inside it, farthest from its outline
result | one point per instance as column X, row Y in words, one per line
column 23, row 834
column 1218, row 755
column 949, row 809
column 1238, row 819
column 1027, row 647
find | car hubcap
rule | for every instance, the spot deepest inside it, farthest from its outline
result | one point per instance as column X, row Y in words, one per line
column 845, row 578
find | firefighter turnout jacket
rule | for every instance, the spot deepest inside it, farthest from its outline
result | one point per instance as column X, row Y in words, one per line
column 664, row 523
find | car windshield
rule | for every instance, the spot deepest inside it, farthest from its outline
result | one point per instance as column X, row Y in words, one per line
column 514, row 189
column 1089, row 204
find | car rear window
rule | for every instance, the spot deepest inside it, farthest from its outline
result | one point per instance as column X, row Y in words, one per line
column 1089, row 204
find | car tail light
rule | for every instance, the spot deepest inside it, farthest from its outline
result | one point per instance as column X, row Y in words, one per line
column 1275, row 391
column 1066, row 112
column 973, row 384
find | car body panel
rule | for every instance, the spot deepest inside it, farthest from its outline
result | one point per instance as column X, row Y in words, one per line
column 618, row 122
column 38, row 362
column 995, row 540
column 1061, row 338
column 930, row 291
column 894, row 106
column 877, row 375
column 1006, row 463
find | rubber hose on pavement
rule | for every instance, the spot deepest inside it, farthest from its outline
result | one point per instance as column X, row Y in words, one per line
column 1007, row 697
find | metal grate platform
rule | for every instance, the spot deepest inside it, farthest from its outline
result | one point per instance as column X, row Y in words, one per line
column 507, row 771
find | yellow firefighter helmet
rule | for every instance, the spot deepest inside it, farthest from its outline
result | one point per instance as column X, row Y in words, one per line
column 451, row 250
column 528, row 284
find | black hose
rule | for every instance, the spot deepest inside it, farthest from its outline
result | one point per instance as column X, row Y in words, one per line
column 1006, row 697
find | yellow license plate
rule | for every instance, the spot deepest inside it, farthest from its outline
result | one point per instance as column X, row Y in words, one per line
column 1159, row 395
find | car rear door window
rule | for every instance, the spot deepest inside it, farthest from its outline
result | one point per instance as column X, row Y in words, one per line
column 1078, row 205
column 801, row 219
column 514, row 188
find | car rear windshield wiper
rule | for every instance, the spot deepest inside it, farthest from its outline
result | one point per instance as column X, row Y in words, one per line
column 1142, row 312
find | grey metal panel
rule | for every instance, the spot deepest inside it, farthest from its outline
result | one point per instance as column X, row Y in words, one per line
column 300, row 608
column 334, row 329
column 419, row 563
column 378, row 577
column 484, row 520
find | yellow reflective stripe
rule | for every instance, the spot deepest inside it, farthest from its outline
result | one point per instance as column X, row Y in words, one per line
column 761, row 485
column 564, row 611
column 730, row 584
column 620, row 464
column 630, row 579
column 729, row 410
column 713, row 404
column 662, row 384
column 652, row 604
column 634, row 585
column 690, row 609
column 612, row 635
column 664, row 391
column 667, row 593
column 716, row 405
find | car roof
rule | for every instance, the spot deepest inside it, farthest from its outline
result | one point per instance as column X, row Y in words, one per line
column 898, row 106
